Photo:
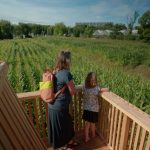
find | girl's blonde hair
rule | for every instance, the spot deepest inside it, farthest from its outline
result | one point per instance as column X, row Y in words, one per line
column 88, row 79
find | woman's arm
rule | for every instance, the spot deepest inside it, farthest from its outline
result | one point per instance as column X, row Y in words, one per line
column 71, row 87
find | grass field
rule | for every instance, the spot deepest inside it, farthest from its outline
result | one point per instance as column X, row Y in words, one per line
column 28, row 57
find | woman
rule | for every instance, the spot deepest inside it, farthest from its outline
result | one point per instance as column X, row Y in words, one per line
column 60, row 127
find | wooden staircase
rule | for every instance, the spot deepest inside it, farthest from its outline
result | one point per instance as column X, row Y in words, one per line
column 16, row 130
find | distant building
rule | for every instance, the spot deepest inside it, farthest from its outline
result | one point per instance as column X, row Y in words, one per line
column 124, row 32
column 100, row 33
column 135, row 32
column 95, row 24
column 108, row 32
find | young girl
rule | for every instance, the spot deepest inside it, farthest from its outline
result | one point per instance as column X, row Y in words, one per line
column 91, row 104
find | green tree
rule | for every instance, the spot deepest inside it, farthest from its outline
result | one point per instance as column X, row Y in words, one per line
column 69, row 31
column 1, row 37
column 89, row 31
column 108, row 26
column 25, row 29
column 59, row 29
column 117, row 27
column 16, row 30
column 36, row 29
column 6, row 30
column 78, row 30
column 144, row 29
column 50, row 30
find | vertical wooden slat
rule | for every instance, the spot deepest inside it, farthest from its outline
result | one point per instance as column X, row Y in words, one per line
column 142, row 139
column 103, row 119
column 136, row 138
column 104, row 122
column 82, row 109
column 108, row 123
column 124, row 132
column 148, row 143
column 107, row 113
column 100, row 118
column 36, row 116
column 46, row 107
column 30, row 111
column 42, row 119
column 22, row 102
column 111, row 126
column 79, row 115
column 77, row 112
column 118, row 131
column 115, row 127
column 131, row 136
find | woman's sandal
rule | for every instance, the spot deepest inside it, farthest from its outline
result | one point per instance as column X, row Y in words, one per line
column 72, row 145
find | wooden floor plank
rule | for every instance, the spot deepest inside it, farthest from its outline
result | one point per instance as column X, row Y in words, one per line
column 93, row 144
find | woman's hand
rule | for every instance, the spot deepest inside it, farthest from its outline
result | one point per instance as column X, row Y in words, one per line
column 71, row 87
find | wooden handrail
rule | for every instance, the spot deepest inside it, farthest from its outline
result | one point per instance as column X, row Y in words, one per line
column 36, row 94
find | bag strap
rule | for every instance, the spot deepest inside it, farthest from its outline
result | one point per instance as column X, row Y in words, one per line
column 60, row 91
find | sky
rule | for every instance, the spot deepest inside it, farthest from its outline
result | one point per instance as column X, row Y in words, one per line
column 69, row 12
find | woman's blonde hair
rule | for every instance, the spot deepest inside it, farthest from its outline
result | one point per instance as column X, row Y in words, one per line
column 63, row 60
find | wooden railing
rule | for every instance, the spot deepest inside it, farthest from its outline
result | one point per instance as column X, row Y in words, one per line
column 121, row 125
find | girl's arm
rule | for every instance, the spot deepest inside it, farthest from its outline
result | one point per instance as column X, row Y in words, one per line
column 71, row 87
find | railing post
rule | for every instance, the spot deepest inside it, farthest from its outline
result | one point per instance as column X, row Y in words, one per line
column 3, row 74
column 124, row 132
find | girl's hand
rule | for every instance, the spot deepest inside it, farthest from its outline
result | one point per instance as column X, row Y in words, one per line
column 104, row 90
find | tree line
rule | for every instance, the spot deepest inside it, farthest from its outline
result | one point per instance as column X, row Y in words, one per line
column 26, row 30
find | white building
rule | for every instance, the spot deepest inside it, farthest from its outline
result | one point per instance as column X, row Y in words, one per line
column 124, row 32
column 99, row 33
column 135, row 32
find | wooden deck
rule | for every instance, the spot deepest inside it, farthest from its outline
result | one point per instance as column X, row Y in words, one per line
column 94, row 144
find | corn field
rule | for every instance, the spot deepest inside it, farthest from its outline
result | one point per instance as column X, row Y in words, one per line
column 27, row 58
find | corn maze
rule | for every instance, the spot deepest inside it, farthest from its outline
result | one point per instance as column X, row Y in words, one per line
column 27, row 59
